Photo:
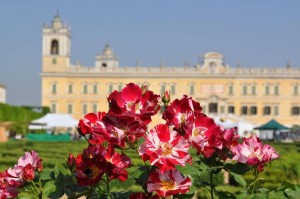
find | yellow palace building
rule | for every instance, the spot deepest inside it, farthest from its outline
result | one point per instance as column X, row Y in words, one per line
column 253, row 94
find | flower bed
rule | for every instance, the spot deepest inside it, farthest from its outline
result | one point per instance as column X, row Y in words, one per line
column 169, row 169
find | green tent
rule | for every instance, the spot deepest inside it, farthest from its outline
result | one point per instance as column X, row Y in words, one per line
column 272, row 125
column 47, row 137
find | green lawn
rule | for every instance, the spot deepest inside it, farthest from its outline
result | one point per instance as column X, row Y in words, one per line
column 286, row 168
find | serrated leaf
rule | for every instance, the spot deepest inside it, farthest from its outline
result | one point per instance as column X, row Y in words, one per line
column 53, row 190
column 189, row 170
column 58, row 168
column 277, row 195
column 292, row 194
column 263, row 190
column 47, row 175
column 238, row 168
column 239, row 179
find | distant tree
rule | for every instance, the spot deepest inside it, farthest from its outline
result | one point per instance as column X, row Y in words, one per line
column 295, row 129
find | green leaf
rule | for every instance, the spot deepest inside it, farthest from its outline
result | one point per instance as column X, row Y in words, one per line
column 224, row 194
column 216, row 171
column 185, row 196
column 277, row 195
column 241, row 194
column 259, row 196
column 47, row 175
column 120, row 195
column 140, row 175
column 292, row 194
column 53, row 190
column 238, row 168
column 189, row 170
column 262, row 190
column 239, row 179
column 59, row 168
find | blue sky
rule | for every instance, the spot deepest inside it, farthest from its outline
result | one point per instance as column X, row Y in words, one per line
column 255, row 33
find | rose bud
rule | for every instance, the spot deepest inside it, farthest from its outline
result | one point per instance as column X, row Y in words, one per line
column 71, row 160
column 166, row 98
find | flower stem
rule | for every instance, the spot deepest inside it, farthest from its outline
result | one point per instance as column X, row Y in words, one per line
column 107, row 186
column 255, row 180
column 38, row 192
column 211, row 184
column 41, row 189
column 91, row 191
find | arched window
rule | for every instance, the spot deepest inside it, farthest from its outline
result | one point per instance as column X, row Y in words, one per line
column 104, row 64
column 54, row 47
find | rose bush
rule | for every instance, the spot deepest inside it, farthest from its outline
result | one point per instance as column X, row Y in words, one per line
column 176, row 154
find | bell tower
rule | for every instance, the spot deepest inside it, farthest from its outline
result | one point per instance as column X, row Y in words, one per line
column 56, row 46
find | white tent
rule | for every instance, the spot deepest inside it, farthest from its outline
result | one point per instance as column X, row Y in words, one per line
column 53, row 120
column 244, row 127
column 228, row 123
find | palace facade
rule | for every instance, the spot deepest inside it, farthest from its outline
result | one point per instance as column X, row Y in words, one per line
column 254, row 94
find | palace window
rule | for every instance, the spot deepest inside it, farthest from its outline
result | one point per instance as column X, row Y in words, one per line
column 95, row 108
column 244, row 89
column 203, row 109
column 95, row 88
column 295, row 90
column 84, row 109
column 85, row 88
column 276, row 90
column 253, row 90
column 267, row 110
column 244, row 110
column 53, row 107
column 267, row 90
column 54, row 88
column 230, row 90
column 120, row 87
column 231, row 109
column 163, row 88
column 70, row 88
column 213, row 107
column 54, row 47
column 192, row 89
column 253, row 110
column 295, row 110
column 110, row 88
column 222, row 109
column 173, row 89
column 70, row 108
column 276, row 110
